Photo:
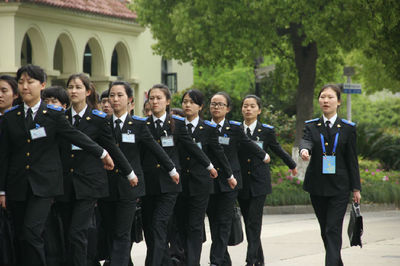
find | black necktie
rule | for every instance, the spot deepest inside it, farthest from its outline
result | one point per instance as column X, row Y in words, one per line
column 29, row 119
column 219, row 128
column 77, row 120
column 248, row 132
column 328, row 128
column 158, row 127
column 118, row 132
column 190, row 126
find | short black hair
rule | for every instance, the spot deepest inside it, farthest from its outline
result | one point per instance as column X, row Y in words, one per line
column 127, row 86
column 33, row 71
column 255, row 97
column 104, row 94
column 196, row 96
column 56, row 92
column 334, row 87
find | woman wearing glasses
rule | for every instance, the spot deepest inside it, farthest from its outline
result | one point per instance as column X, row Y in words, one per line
column 222, row 200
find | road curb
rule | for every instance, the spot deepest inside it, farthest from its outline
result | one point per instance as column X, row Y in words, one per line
column 303, row 209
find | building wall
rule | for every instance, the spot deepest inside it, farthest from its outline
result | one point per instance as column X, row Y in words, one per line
column 45, row 25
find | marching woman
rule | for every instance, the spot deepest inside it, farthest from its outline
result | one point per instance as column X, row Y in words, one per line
column 333, row 170
column 162, row 187
column 118, row 209
column 221, row 203
column 192, row 203
column 256, row 176
column 30, row 165
column 84, row 180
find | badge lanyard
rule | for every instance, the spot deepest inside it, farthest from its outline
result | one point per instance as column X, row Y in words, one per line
column 334, row 145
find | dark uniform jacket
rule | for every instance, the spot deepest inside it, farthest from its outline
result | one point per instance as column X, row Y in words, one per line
column 84, row 175
column 119, row 184
column 256, row 174
column 347, row 175
column 195, row 178
column 25, row 160
column 156, row 176
column 234, row 132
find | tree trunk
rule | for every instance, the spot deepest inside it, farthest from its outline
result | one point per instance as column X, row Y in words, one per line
column 306, row 64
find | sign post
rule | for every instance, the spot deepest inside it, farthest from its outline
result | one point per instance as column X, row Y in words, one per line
column 350, row 89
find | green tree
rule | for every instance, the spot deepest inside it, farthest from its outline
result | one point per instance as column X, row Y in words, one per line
column 300, row 32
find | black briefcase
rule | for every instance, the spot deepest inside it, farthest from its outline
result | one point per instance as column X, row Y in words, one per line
column 7, row 238
column 137, row 225
column 355, row 229
column 236, row 236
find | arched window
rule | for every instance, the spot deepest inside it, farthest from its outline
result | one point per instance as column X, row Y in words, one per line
column 26, row 51
column 87, row 60
column 114, row 63
column 58, row 57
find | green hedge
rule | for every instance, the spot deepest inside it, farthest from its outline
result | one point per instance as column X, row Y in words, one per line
column 378, row 186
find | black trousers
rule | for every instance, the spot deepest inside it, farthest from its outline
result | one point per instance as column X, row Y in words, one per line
column 157, row 211
column 252, row 211
column 330, row 212
column 117, row 218
column 190, row 212
column 220, row 214
column 76, row 216
column 29, row 218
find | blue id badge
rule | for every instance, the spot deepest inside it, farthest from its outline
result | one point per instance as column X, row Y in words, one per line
column 329, row 164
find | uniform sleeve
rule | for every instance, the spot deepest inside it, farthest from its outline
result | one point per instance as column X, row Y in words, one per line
column 4, row 154
column 274, row 145
column 158, row 151
column 74, row 136
column 218, row 151
column 106, row 140
column 183, row 136
column 306, row 142
column 352, row 160
column 254, row 148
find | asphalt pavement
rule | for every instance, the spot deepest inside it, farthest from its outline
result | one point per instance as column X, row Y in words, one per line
column 294, row 239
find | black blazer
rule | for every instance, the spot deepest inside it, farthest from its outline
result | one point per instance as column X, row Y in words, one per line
column 37, row 161
column 156, row 176
column 234, row 132
column 195, row 178
column 347, row 175
column 119, row 184
column 256, row 174
column 84, row 174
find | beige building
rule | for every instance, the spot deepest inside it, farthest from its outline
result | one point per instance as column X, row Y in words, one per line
column 100, row 38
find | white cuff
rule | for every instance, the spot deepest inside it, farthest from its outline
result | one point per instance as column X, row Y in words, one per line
column 104, row 154
column 132, row 175
column 266, row 157
column 231, row 177
column 211, row 166
column 2, row 193
column 172, row 172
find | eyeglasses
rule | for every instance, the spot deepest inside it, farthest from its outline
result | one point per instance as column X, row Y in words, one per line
column 219, row 105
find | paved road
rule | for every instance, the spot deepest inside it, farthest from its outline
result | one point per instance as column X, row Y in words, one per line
column 294, row 239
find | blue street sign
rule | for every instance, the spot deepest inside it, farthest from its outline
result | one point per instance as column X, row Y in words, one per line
column 352, row 88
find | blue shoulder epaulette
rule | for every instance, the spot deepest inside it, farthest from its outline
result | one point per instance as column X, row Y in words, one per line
column 312, row 120
column 139, row 118
column 267, row 126
column 348, row 122
column 54, row 107
column 99, row 113
column 234, row 123
column 178, row 117
column 11, row 109
column 209, row 123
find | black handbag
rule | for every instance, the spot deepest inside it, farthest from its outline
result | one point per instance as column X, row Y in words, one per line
column 355, row 229
column 137, row 225
column 236, row 236
column 7, row 238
